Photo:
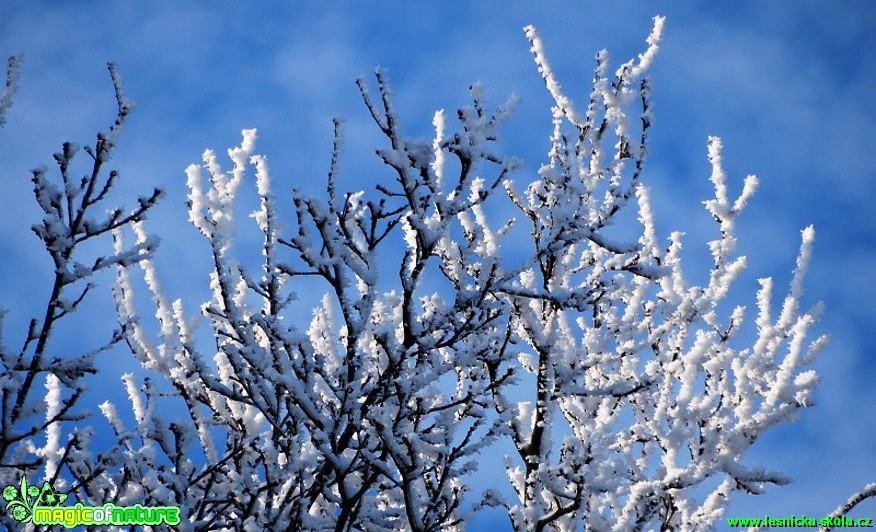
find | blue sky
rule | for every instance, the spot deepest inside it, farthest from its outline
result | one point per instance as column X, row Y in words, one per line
column 787, row 85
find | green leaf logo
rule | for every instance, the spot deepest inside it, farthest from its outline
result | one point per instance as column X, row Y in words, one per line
column 19, row 502
column 22, row 500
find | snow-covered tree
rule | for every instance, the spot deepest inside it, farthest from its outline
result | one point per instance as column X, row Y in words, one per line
column 574, row 336
column 372, row 415
column 40, row 385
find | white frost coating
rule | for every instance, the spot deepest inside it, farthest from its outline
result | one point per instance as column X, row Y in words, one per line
column 111, row 414
column 163, row 310
column 791, row 305
column 438, row 152
column 137, row 403
column 646, row 218
column 717, row 178
column 410, row 234
column 564, row 104
column 263, row 180
column 142, row 346
column 645, row 59
column 12, row 66
column 52, row 451
column 748, row 190
column 218, row 220
column 239, row 156
column 196, row 199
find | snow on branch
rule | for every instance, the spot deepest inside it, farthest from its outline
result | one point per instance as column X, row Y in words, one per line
column 12, row 66
column 866, row 492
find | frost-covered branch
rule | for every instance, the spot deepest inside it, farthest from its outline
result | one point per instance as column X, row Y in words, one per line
column 68, row 206
column 12, row 65
column 867, row 492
